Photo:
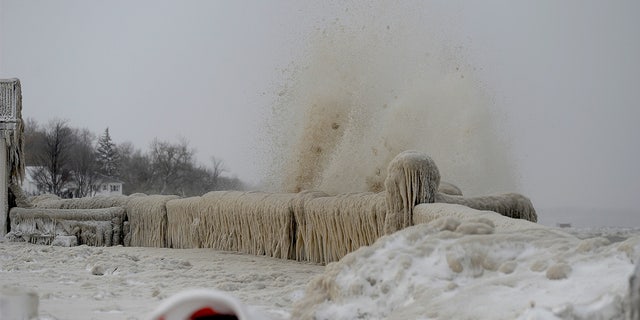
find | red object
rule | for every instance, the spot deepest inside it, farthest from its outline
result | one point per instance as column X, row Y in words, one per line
column 204, row 312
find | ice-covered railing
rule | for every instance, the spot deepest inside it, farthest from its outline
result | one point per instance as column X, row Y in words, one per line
column 11, row 143
column 10, row 102
column 307, row 226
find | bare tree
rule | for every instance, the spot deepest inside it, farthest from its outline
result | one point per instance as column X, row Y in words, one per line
column 217, row 169
column 196, row 181
column 33, row 141
column 135, row 169
column 83, row 165
column 53, row 158
column 170, row 163
column 63, row 157
column 231, row 183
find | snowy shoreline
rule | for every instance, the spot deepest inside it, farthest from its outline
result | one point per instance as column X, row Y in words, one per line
column 134, row 280
column 129, row 282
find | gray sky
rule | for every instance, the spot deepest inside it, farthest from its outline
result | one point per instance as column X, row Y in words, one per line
column 563, row 75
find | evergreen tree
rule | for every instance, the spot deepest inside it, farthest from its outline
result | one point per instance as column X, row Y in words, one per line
column 107, row 155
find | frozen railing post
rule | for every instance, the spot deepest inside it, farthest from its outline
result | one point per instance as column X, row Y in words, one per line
column 11, row 166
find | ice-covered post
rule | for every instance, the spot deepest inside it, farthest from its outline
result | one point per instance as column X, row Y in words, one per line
column 412, row 178
column 10, row 143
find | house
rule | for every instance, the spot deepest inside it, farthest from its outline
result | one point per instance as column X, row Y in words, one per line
column 108, row 186
column 29, row 185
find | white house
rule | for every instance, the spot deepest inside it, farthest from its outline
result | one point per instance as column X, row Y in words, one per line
column 29, row 185
column 108, row 186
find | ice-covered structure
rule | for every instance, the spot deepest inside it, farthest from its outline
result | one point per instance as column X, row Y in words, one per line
column 11, row 144
column 511, row 205
column 307, row 226
column 147, row 217
column 412, row 178
column 449, row 188
column 93, row 227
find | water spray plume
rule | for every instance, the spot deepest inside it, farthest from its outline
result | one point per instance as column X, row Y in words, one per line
column 370, row 86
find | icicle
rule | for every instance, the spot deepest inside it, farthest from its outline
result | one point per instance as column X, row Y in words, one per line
column 94, row 227
column 412, row 178
column 148, row 220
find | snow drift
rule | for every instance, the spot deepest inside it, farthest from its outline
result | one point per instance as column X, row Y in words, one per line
column 429, row 271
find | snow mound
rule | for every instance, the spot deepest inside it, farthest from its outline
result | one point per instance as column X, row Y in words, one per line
column 469, row 264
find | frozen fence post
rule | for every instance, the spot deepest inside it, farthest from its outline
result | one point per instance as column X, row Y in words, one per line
column 11, row 143
column 412, row 179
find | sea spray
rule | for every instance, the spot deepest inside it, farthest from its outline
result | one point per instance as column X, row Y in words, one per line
column 373, row 82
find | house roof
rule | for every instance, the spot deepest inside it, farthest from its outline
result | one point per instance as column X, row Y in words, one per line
column 106, row 179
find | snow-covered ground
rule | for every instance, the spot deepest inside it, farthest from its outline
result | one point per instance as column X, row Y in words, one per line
column 469, row 269
column 129, row 282
column 477, row 268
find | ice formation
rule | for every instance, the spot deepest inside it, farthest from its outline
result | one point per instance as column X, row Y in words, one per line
column 412, row 178
column 94, row 227
column 148, row 221
column 53, row 202
column 510, row 204
column 494, row 266
column 307, row 226
column 304, row 238
column 13, row 136
column 251, row 222
column 424, row 214
column 41, row 200
column 336, row 225
column 449, row 188
column 20, row 199
column 183, row 223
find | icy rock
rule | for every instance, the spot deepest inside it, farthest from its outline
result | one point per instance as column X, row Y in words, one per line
column 97, row 270
column 475, row 228
column 65, row 241
column 508, row 267
column 558, row 271
column 18, row 304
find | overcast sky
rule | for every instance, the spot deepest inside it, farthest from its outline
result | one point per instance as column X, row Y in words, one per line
column 563, row 75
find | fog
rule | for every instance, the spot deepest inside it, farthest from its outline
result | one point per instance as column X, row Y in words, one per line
column 559, row 80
